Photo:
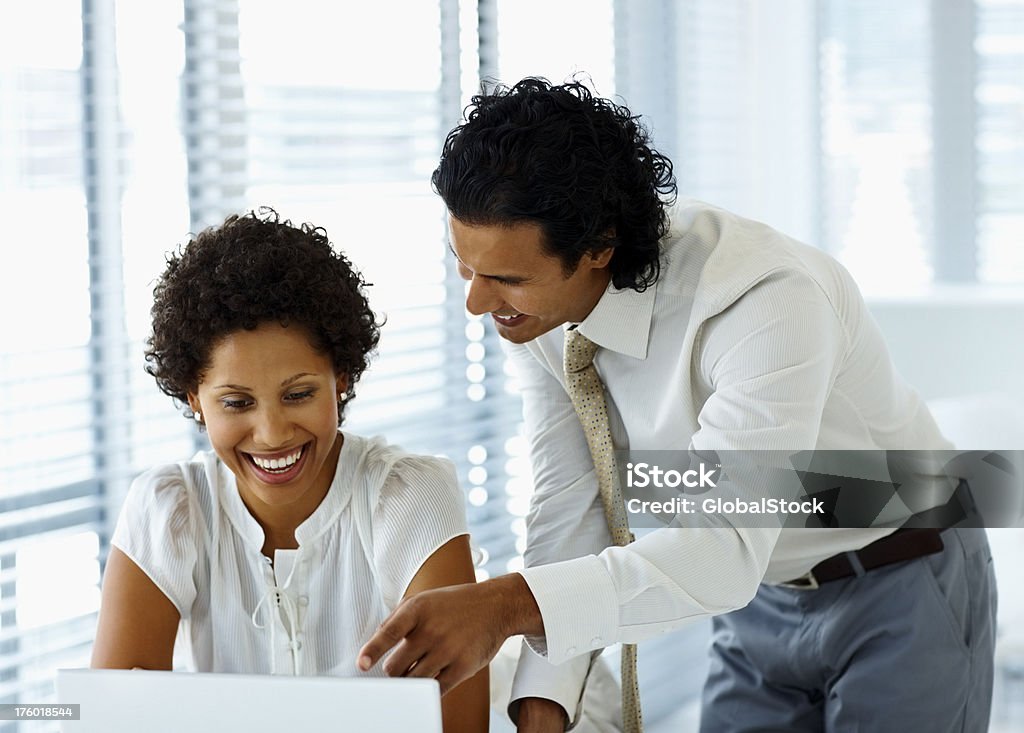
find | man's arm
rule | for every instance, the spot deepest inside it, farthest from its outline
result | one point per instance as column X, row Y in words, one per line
column 566, row 520
column 771, row 360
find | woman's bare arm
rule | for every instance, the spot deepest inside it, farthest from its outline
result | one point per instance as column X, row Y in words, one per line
column 466, row 709
column 137, row 623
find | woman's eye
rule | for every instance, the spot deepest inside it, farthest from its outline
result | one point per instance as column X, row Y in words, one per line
column 235, row 404
column 299, row 396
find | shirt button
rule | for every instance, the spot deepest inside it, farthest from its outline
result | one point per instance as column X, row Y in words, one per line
column 596, row 641
column 571, row 651
column 303, row 600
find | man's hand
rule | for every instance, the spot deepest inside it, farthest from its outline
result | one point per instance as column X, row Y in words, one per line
column 537, row 715
column 449, row 634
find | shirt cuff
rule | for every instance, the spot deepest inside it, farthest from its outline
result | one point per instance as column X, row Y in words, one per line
column 579, row 606
column 562, row 684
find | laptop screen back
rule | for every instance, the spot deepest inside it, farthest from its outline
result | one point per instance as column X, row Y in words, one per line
column 119, row 701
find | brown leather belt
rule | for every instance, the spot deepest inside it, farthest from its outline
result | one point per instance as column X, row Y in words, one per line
column 901, row 545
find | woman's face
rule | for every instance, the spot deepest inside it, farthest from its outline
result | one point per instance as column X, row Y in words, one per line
column 269, row 401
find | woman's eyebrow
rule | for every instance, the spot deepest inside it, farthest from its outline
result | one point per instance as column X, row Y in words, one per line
column 296, row 378
column 285, row 383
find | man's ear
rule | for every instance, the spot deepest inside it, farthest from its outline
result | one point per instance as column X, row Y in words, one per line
column 603, row 257
column 599, row 259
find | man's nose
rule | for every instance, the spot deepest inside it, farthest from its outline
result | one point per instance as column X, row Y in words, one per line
column 481, row 297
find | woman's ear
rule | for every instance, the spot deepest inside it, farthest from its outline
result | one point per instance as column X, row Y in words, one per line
column 341, row 385
column 193, row 402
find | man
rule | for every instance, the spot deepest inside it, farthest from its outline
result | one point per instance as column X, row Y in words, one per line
column 716, row 334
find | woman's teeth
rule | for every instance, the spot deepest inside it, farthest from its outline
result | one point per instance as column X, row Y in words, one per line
column 278, row 464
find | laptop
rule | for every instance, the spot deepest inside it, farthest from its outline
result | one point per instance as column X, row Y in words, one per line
column 129, row 701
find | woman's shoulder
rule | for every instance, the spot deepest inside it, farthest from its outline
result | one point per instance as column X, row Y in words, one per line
column 394, row 474
column 174, row 487
column 163, row 482
column 393, row 463
column 161, row 518
column 414, row 506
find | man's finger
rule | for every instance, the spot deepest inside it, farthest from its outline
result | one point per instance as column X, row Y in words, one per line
column 393, row 630
column 449, row 678
column 427, row 667
column 406, row 656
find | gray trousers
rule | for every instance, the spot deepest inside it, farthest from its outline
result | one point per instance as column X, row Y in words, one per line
column 906, row 648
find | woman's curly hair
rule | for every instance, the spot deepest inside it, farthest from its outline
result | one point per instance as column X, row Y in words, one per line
column 251, row 270
column 579, row 166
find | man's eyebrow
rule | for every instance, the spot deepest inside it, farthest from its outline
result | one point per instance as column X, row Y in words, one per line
column 513, row 279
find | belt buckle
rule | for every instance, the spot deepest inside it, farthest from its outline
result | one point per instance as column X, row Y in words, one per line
column 807, row 581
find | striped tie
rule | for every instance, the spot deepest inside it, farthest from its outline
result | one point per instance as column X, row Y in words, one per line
column 587, row 394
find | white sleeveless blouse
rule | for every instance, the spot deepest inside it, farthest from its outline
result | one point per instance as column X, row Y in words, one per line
column 310, row 611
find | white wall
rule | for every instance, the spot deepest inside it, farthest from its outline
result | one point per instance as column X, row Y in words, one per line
column 953, row 342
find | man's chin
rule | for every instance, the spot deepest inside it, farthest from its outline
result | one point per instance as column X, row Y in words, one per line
column 525, row 332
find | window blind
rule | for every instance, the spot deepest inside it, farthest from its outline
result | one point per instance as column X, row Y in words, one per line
column 875, row 157
column 51, row 508
column 344, row 134
column 999, row 98
column 921, row 143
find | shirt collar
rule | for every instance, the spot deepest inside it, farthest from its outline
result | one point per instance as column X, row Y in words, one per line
column 338, row 495
column 621, row 321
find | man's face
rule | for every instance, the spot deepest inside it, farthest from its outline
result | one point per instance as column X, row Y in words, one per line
column 525, row 290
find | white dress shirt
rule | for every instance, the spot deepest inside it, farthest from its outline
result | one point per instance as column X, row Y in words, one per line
column 748, row 341
column 311, row 610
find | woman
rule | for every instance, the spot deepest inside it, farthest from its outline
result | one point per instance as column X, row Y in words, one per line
column 281, row 550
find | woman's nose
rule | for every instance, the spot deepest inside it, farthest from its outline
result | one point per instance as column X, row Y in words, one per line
column 272, row 429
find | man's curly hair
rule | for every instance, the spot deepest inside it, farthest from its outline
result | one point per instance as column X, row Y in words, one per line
column 249, row 271
column 579, row 166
